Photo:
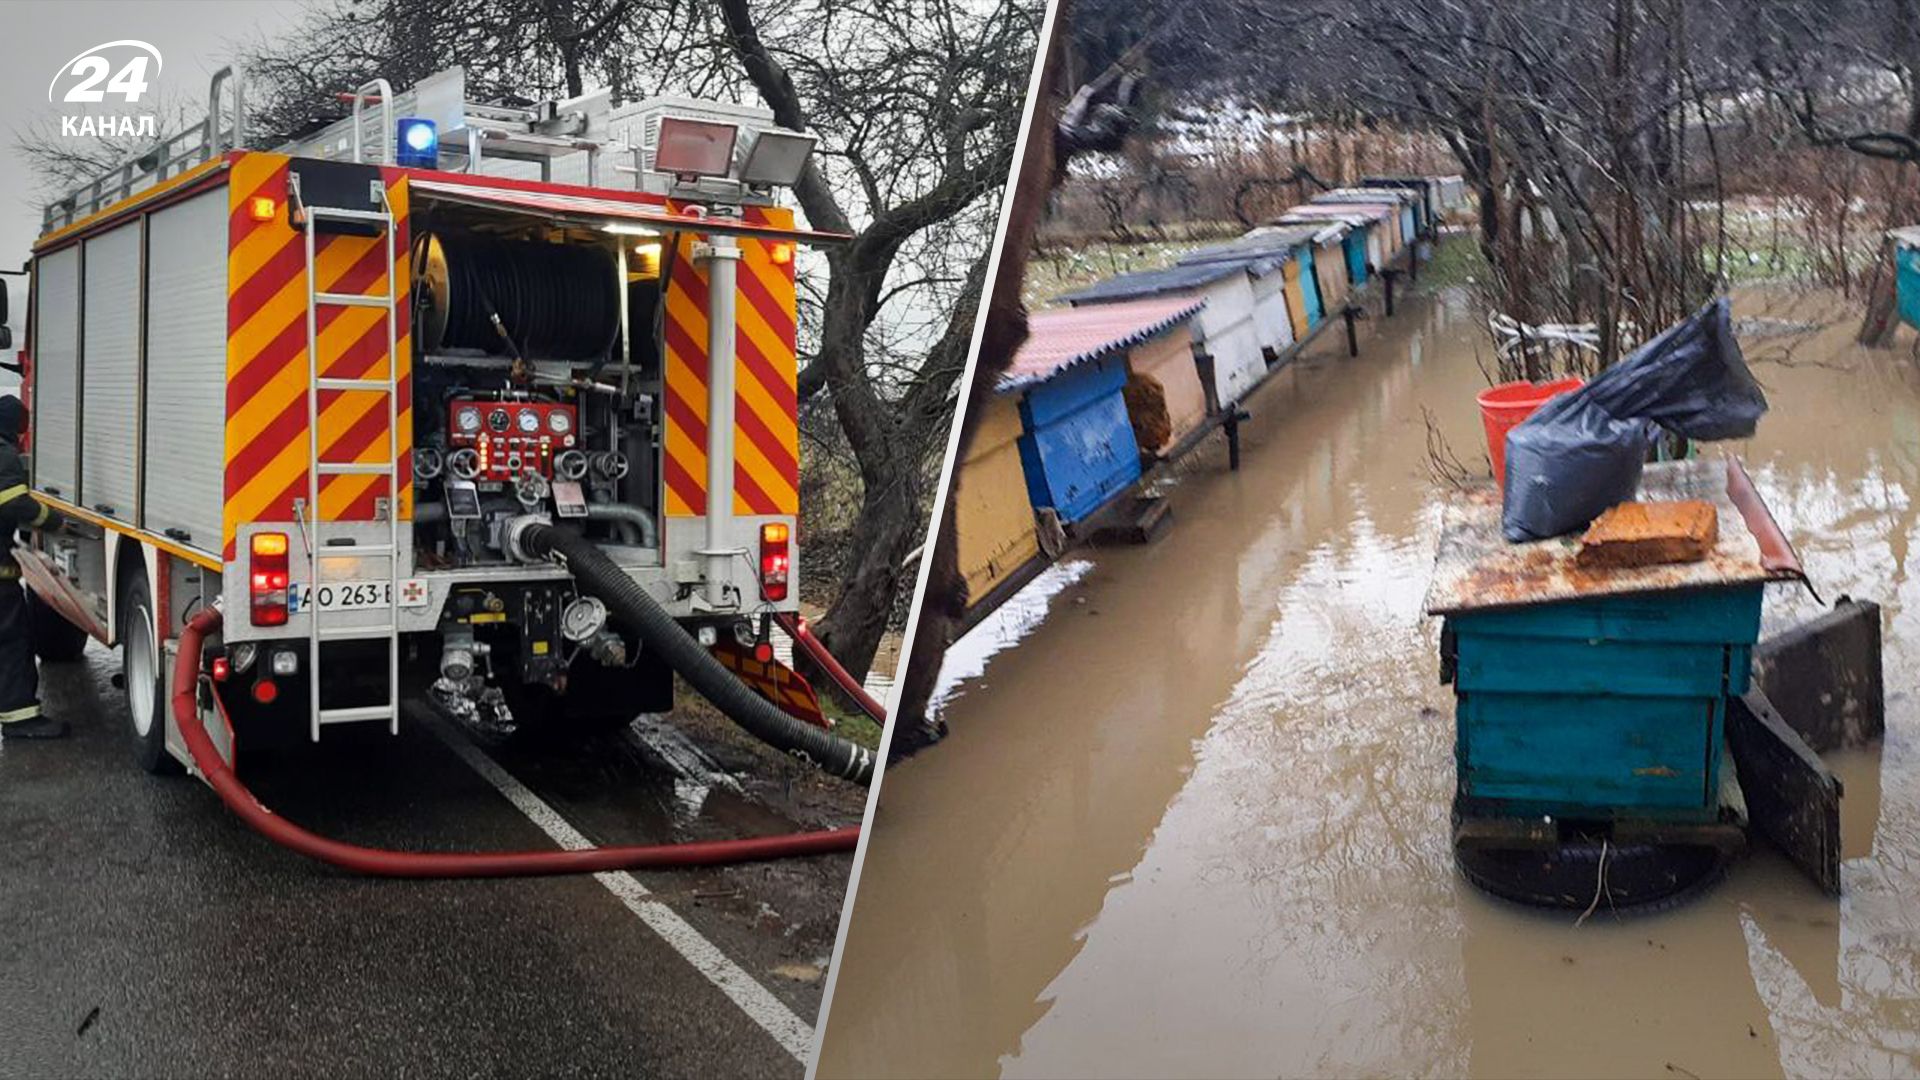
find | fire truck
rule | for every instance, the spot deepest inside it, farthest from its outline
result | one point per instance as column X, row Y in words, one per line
column 498, row 397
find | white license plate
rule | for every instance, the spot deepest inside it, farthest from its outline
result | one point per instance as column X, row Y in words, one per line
column 355, row 595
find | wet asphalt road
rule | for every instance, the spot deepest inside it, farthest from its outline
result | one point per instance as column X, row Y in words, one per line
column 145, row 931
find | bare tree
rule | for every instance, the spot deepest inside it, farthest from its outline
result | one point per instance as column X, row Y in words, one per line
column 919, row 102
column 916, row 106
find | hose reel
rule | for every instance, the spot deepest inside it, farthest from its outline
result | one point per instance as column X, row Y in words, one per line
column 552, row 301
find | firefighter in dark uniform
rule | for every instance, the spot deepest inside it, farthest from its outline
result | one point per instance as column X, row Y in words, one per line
column 20, row 716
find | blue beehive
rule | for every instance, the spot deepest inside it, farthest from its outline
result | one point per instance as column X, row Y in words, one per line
column 1310, row 286
column 1596, row 694
column 1355, row 243
column 1078, row 449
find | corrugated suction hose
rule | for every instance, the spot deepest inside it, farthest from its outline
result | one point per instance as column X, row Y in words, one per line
column 658, row 631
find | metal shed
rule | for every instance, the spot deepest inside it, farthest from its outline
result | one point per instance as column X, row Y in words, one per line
column 994, row 529
column 1225, row 328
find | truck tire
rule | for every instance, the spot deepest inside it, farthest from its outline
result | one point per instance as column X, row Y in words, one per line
column 55, row 640
column 142, row 675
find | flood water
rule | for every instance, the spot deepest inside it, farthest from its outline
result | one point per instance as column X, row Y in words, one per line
column 1193, row 815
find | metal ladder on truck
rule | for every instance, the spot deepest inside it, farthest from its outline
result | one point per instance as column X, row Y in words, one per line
column 319, row 551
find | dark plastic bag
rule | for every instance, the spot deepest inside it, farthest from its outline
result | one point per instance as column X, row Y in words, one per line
column 1582, row 451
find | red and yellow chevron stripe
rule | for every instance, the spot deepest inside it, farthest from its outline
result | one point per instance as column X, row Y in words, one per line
column 766, row 471
column 266, row 442
column 775, row 681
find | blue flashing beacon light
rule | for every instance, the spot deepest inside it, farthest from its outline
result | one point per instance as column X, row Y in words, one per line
column 419, row 145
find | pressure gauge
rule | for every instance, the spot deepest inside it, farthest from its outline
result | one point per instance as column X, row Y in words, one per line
column 467, row 420
column 529, row 421
column 560, row 421
column 498, row 420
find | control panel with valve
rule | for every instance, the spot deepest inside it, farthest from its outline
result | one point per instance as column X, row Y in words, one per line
column 498, row 441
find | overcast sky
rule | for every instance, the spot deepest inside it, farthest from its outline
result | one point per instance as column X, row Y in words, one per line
column 195, row 37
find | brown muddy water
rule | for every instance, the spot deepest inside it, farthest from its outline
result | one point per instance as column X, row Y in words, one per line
column 1193, row 815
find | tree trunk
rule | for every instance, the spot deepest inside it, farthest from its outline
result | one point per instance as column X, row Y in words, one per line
column 887, row 528
column 944, row 603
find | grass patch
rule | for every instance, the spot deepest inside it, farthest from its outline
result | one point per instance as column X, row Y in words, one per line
column 854, row 726
column 1457, row 260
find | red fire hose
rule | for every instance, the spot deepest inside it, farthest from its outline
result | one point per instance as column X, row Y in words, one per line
column 802, row 634
column 407, row 864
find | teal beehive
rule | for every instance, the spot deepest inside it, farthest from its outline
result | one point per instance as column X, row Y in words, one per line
column 1590, row 694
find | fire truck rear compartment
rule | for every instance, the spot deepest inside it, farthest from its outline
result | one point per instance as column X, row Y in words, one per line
column 536, row 388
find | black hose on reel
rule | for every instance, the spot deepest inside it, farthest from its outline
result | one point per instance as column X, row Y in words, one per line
column 554, row 301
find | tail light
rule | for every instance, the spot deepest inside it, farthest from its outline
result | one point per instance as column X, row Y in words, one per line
column 267, row 579
column 776, row 559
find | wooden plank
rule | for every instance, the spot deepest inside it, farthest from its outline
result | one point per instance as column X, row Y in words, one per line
column 1792, row 798
column 1567, row 753
column 1715, row 616
column 1140, row 522
column 1588, row 666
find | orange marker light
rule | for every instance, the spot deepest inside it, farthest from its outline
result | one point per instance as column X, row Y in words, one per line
column 270, row 543
column 263, row 209
column 782, row 253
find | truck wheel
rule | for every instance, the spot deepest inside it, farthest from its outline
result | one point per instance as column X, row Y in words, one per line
column 55, row 640
column 140, row 670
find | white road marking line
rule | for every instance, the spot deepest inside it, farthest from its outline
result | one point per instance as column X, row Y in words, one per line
column 791, row 1032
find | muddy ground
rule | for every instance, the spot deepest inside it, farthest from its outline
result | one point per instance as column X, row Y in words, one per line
column 1193, row 815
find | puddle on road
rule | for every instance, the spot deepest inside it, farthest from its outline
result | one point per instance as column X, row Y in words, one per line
column 1195, row 820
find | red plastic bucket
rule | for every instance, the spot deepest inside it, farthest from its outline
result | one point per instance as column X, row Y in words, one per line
column 1503, row 407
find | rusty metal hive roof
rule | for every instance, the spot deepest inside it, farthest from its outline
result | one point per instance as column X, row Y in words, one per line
column 1060, row 338
column 1476, row 569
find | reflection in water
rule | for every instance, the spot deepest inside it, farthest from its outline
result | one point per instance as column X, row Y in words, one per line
column 1005, row 627
column 1196, row 821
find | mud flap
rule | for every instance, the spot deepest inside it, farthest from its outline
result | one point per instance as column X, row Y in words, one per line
column 1792, row 798
column 1824, row 676
column 775, row 681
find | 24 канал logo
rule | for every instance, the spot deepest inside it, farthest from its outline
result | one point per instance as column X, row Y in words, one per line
column 117, row 69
